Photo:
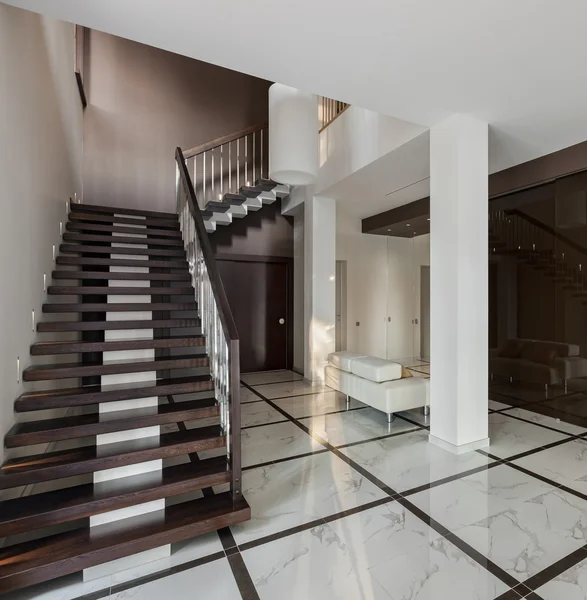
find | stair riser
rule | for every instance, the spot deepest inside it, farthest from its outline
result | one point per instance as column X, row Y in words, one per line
column 56, row 517
column 159, row 538
column 117, row 325
column 33, row 404
column 117, row 210
column 110, row 462
column 88, row 249
column 96, row 275
column 96, row 218
column 118, row 369
column 81, row 347
column 172, row 265
column 88, row 238
column 61, row 308
column 151, row 232
column 30, row 439
column 119, row 291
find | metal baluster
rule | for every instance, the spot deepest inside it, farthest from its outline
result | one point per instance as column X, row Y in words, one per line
column 238, row 165
column 213, row 174
column 261, row 176
column 204, row 177
column 254, row 157
column 230, row 166
column 246, row 160
column 221, row 172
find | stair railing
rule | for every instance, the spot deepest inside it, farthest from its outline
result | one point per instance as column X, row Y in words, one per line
column 329, row 110
column 229, row 162
column 520, row 232
column 218, row 325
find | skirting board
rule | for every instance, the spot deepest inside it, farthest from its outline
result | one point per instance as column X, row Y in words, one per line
column 458, row 449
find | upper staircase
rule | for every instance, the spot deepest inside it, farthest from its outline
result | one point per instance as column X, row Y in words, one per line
column 142, row 374
column 231, row 176
column 535, row 244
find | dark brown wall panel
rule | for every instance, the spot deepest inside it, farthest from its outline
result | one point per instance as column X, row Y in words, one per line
column 265, row 232
column 143, row 102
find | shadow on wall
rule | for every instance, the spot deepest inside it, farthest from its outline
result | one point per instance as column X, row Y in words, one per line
column 265, row 232
column 143, row 102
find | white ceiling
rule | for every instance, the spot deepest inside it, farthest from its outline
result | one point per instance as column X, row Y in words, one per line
column 515, row 63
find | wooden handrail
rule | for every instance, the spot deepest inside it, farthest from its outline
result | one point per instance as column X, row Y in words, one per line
column 225, row 139
column 224, row 311
column 550, row 230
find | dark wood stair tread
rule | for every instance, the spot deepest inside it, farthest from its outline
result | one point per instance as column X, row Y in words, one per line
column 250, row 191
column 41, row 560
column 135, row 365
column 119, row 307
column 104, row 218
column 219, row 207
column 149, row 231
column 88, row 249
column 170, row 263
column 27, row 470
column 51, row 348
column 265, row 184
column 60, row 326
column 118, row 210
column 112, row 239
column 121, row 276
column 235, row 199
column 53, row 430
column 73, row 290
column 60, row 506
column 95, row 394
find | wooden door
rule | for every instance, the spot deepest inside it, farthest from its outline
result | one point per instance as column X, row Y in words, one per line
column 258, row 297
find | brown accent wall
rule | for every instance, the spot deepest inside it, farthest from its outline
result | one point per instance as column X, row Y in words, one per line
column 142, row 103
column 265, row 232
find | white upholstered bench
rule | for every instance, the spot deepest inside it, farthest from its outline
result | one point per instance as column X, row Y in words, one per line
column 376, row 382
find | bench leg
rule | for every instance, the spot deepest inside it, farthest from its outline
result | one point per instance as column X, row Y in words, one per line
column 348, row 401
column 426, row 410
column 390, row 418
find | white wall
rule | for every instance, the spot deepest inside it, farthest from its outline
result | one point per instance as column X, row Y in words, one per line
column 298, row 291
column 40, row 168
column 366, row 258
column 421, row 256
column 383, row 280
column 357, row 138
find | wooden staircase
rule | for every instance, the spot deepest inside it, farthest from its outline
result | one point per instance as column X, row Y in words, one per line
column 123, row 286
column 231, row 176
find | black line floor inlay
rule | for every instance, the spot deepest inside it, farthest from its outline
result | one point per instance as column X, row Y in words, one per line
column 233, row 552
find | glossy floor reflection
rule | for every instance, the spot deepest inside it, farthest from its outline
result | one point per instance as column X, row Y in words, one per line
column 345, row 506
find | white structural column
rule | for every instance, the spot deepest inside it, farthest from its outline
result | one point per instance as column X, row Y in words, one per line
column 458, row 283
column 319, row 284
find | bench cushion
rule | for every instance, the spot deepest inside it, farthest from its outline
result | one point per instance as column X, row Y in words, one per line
column 376, row 369
column 342, row 360
column 396, row 396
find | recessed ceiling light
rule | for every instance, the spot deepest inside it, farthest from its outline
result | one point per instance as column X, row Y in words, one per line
column 407, row 224
column 428, row 219
column 389, row 230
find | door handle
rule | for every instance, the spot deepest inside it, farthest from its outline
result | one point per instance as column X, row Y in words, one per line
column 281, row 321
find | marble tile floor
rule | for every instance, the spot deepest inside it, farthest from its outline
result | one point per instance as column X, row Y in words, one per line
column 345, row 506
